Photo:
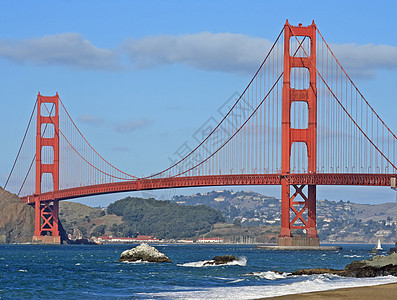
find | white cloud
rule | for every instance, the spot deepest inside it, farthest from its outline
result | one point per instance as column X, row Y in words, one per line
column 242, row 53
column 208, row 51
column 89, row 119
column 228, row 52
column 364, row 60
column 69, row 49
column 132, row 125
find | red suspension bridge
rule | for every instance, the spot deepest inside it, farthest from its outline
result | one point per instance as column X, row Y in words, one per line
column 300, row 122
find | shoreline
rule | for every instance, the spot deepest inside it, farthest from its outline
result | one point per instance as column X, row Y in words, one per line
column 381, row 291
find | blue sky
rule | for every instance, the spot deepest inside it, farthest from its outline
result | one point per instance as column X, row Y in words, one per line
column 123, row 72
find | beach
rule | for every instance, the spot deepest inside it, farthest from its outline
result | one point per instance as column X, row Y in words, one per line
column 384, row 292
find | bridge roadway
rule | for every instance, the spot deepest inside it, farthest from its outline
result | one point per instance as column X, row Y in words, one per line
column 213, row 180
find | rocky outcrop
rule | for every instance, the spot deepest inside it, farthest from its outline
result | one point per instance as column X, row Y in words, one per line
column 144, row 252
column 318, row 271
column 77, row 238
column 376, row 266
column 221, row 260
column 16, row 219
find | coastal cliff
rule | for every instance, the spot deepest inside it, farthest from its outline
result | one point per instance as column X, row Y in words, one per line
column 16, row 219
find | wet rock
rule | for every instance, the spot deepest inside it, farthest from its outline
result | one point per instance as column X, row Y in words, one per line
column 144, row 252
column 376, row 266
column 317, row 271
column 221, row 260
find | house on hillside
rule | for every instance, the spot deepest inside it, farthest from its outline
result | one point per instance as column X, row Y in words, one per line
column 124, row 240
column 210, row 240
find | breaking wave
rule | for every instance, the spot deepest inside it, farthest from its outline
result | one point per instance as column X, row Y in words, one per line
column 202, row 263
column 270, row 275
column 313, row 283
column 137, row 262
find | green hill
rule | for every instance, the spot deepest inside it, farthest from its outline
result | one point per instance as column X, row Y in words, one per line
column 163, row 219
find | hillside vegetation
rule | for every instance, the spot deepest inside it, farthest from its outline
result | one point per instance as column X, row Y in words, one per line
column 163, row 219
column 88, row 220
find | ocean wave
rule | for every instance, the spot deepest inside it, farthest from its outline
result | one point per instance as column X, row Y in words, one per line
column 237, row 280
column 270, row 275
column 322, row 278
column 137, row 262
column 314, row 283
column 202, row 263
column 230, row 280
column 353, row 255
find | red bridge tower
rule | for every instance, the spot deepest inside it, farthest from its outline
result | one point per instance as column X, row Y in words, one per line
column 47, row 212
column 298, row 211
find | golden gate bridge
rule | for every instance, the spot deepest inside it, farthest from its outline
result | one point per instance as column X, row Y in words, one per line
column 299, row 123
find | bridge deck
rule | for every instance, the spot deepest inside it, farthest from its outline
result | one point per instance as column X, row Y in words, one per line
column 213, row 180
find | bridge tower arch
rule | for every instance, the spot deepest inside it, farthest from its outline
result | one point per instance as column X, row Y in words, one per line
column 298, row 204
column 47, row 135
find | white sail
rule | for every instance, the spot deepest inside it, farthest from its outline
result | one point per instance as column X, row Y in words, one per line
column 379, row 246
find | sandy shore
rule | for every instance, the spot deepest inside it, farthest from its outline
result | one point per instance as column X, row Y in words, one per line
column 384, row 292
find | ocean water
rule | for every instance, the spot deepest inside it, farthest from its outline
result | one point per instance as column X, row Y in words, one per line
column 93, row 272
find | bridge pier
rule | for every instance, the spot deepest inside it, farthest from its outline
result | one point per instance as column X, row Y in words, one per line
column 48, row 240
column 46, row 222
column 298, row 241
column 304, row 217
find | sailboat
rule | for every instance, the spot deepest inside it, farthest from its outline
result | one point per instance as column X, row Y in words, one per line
column 377, row 248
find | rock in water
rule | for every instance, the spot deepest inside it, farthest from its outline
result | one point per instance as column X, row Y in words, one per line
column 16, row 219
column 318, row 271
column 144, row 252
column 221, row 260
column 376, row 266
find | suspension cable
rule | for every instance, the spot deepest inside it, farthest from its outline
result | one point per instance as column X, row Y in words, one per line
column 224, row 118
column 344, row 109
column 23, row 141
column 129, row 175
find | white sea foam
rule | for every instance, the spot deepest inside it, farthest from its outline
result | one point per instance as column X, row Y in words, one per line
column 231, row 280
column 23, row 271
column 237, row 280
column 224, row 278
column 202, row 263
column 270, row 275
column 136, row 262
column 313, row 283
column 352, row 255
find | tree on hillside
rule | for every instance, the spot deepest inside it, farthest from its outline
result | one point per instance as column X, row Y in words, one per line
column 164, row 219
